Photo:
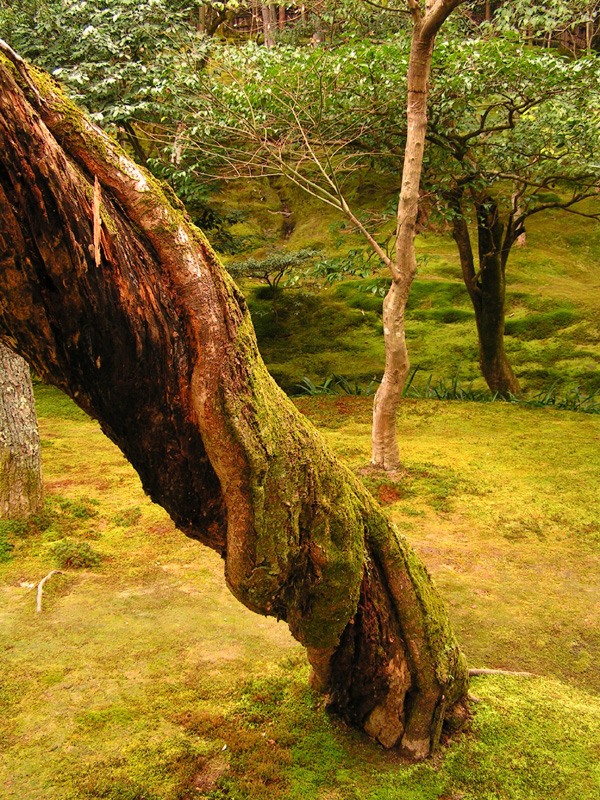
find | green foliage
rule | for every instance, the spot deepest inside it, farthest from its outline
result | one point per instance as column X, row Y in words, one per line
column 75, row 555
column 121, row 59
column 587, row 401
column 546, row 18
column 272, row 268
column 118, row 57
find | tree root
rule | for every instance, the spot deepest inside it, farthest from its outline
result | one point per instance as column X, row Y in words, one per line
column 40, row 588
column 473, row 672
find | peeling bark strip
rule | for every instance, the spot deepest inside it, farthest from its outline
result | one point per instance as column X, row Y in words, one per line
column 156, row 343
column 97, row 222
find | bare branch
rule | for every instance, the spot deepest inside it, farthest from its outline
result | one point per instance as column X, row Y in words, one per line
column 414, row 9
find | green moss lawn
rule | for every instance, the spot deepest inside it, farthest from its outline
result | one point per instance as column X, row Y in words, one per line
column 143, row 678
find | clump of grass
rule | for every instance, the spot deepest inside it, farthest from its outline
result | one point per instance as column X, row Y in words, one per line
column 446, row 390
column 574, row 400
column 80, row 508
column 75, row 555
column 386, row 490
column 336, row 385
column 54, row 404
column 59, row 518
column 128, row 517
column 586, row 401
column 431, row 483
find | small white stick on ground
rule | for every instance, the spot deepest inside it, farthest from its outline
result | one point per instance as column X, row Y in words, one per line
column 40, row 588
column 473, row 672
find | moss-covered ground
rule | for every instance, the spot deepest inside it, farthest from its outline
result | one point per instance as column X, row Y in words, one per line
column 143, row 678
column 553, row 301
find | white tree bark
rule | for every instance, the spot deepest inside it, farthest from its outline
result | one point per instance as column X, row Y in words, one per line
column 385, row 453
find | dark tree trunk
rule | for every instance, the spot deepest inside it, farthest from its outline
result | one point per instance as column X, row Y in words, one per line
column 128, row 310
column 21, row 491
column 487, row 290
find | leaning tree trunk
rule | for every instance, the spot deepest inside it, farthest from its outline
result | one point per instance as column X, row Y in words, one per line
column 21, row 492
column 385, row 453
column 487, row 290
column 115, row 297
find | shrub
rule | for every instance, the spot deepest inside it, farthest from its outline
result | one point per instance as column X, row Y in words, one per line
column 76, row 555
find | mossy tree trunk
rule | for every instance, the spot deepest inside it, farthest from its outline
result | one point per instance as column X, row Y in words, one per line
column 426, row 25
column 21, row 491
column 114, row 296
column 487, row 286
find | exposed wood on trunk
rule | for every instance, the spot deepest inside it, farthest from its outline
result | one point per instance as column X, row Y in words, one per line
column 156, row 342
column 97, row 221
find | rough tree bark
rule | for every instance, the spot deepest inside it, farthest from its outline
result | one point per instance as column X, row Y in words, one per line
column 487, row 287
column 123, row 304
column 269, row 24
column 21, row 491
column 385, row 452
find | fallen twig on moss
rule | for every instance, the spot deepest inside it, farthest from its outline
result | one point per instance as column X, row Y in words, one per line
column 40, row 588
column 474, row 672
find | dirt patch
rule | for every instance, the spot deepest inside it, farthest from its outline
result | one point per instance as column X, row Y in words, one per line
column 206, row 779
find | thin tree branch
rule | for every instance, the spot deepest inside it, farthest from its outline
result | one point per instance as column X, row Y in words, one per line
column 21, row 68
column 436, row 17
